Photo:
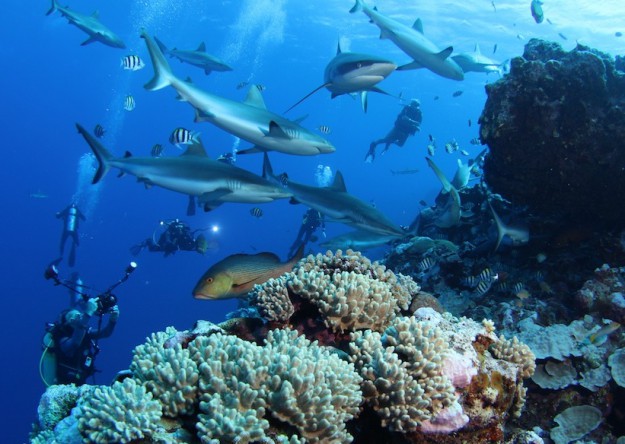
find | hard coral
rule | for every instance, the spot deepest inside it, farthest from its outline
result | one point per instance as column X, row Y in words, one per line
column 118, row 414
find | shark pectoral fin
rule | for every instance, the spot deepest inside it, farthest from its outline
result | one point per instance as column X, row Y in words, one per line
column 412, row 65
column 89, row 40
column 363, row 100
column 445, row 52
column 276, row 130
column 202, row 116
column 146, row 182
column 210, row 200
column 207, row 71
column 294, row 201
column 378, row 90
column 254, row 149
column 121, row 173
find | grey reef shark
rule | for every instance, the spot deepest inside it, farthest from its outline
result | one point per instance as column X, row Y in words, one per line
column 249, row 120
column 91, row 25
column 192, row 173
column 414, row 43
column 350, row 73
column 338, row 205
column 198, row 57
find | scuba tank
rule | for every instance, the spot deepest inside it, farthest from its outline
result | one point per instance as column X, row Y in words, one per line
column 47, row 362
column 72, row 219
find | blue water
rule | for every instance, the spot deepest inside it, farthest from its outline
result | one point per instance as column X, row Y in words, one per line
column 50, row 82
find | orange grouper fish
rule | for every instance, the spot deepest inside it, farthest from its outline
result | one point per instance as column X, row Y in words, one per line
column 237, row 274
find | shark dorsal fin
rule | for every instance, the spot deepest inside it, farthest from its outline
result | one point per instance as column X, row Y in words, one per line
column 338, row 47
column 95, row 15
column 477, row 48
column 445, row 52
column 196, row 149
column 418, row 25
column 254, row 98
column 339, row 183
column 201, row 48
column 275, row 130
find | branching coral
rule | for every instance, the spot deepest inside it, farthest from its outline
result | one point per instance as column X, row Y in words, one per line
column 118, row 414
column 402, row 372
column 168, row 373
column 292, row 379
column 349, row 291
column 516, row 352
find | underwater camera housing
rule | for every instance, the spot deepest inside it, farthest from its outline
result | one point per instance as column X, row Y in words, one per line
column 106, row 300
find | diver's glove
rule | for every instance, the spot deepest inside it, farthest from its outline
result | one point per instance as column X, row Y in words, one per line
column 91, row 306
column 114, row 313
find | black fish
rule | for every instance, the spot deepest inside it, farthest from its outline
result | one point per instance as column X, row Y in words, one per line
column 618, row 34
column 495, row 48
column 457, row 93
column 435, row 97
column 99, row 131
column 431, row 138
column 469, row 122
column 562, row 36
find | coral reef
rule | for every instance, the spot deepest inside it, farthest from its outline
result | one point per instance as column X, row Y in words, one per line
column 563, row 112
column 390, row 376
column 575, row 423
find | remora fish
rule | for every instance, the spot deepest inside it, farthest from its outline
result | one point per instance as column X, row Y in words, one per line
column 477, row 62
column 90, row 24
column 250, row 120
column 358, row 240
column 237, row 274
column 191, row 173
column 198, row 57
column 338, row 205
column 413, row 42
column 518, row 235
column 350, row 72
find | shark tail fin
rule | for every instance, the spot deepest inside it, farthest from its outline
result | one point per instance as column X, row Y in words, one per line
column 357, row 7
column 53, row 8
column 101, row 153
column 162, row 70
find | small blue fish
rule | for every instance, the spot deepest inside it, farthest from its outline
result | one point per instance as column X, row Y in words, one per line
column 324, row 129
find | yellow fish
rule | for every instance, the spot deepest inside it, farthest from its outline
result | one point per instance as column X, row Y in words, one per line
column 237, row 274
column 600, row 336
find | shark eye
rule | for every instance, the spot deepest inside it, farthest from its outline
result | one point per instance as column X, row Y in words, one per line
column 209, row 280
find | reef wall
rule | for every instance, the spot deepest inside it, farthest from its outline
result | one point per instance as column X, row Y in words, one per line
column 555, row 127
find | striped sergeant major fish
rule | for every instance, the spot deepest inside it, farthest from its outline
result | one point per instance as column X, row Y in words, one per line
column 182, row 136
column 426, row 264
column 129, row 103
column 132, row 63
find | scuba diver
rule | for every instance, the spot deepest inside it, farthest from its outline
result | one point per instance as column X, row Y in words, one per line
column 71, row 343
column 176, row 236
column 71, row 216
column 311, row 221
column 408, row 122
